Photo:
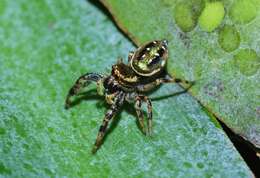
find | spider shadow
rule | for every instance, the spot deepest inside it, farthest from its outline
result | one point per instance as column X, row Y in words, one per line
column 88, row 95
column 172, row 94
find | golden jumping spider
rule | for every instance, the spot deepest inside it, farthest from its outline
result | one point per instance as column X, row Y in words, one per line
column 145, row 70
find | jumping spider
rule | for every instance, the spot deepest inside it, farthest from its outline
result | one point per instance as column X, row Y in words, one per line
column 145, row 71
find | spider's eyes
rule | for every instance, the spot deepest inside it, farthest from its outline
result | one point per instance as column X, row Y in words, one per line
column 150, row 58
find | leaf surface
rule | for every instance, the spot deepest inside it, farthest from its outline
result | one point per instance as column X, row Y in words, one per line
column 45, row 46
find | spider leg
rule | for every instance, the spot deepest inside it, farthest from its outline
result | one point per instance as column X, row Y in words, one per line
column 119, row 100
column 80, row 83
column 150, row 112
column 130, row 55
column 138, row 104
column 166, row 79
column 119, row 60
column 170, row 79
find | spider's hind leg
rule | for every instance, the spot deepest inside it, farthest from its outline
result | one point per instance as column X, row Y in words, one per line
column 80, row 83
column 139, row 100
column 140, row 116
column 119, row 100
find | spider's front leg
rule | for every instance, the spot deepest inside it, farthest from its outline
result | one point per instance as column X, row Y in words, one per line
column 118, row 102
column 166, row 79
column 138, row 106
column 80, row 83
column 169, row 79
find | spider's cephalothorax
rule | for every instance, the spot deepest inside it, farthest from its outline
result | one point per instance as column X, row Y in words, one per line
column 127, row 82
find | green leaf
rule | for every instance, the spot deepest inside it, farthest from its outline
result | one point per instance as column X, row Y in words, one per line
column 45, row 46
column 224, row 63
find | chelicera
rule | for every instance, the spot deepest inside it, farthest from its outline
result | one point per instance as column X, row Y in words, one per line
column 145, row 70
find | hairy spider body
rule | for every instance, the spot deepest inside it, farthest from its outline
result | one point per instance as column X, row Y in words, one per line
column 127, row 82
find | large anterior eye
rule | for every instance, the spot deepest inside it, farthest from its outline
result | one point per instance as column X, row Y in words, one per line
column 150, row 58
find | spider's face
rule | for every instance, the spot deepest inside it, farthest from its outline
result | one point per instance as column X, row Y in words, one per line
column 150, row 58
